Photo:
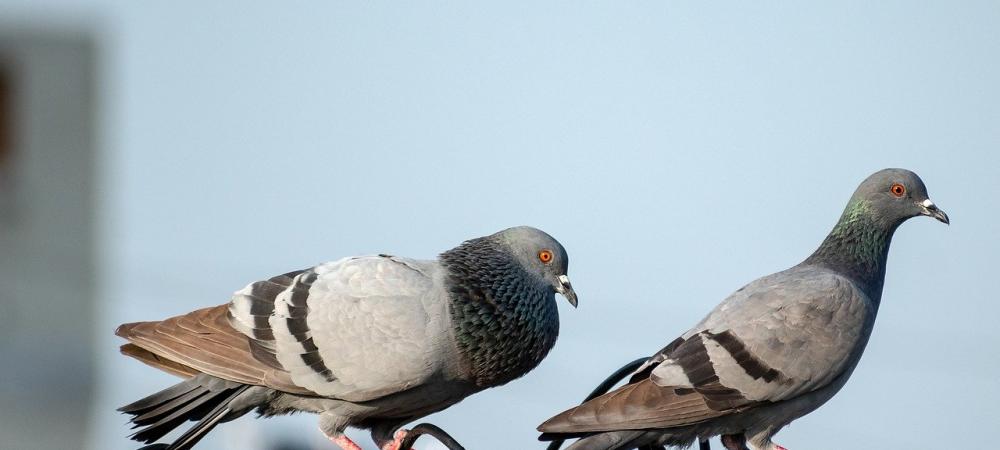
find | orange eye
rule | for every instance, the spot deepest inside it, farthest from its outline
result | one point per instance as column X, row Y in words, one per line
column 897, row 189
column 545, row 256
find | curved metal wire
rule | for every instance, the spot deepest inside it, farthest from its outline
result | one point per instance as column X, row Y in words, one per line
column 603, row 388
column 430, row 430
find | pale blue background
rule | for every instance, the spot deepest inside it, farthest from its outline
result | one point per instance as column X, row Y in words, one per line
column 677, row 149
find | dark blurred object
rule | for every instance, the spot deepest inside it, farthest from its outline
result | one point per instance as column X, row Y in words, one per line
column 6, row 122
column 47, row 235
column 6, row 139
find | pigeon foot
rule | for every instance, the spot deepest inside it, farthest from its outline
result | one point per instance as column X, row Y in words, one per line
column 397, row 439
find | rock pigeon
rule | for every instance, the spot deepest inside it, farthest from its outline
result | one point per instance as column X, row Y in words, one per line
column 771, row 352
column 370, row 342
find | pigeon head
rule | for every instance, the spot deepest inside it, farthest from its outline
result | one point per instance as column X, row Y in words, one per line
column 858, row 245
column 894, row 195
column 540, row 255
column 503, row 301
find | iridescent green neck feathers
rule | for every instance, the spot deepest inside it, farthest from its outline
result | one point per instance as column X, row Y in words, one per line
column 505, row 320
column 857, row 247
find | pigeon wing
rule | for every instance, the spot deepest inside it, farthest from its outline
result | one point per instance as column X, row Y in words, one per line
column 355, row 329
column 778, row 337
column 202, row 341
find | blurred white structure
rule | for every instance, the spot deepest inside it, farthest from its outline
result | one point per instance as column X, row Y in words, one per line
column 47, row 235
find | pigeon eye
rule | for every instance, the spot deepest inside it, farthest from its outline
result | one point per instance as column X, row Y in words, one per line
column 897, row 189
column 545, row 256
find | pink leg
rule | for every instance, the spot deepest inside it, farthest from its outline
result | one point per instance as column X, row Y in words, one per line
column 344, row 442
column 397, row 439
column 778, row 447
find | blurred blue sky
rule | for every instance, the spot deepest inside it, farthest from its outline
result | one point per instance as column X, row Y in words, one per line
column 677, row 149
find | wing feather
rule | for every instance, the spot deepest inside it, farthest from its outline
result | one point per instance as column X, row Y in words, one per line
column 356, row 329
column 638, row 405
column 779, row 337
column 203, row 341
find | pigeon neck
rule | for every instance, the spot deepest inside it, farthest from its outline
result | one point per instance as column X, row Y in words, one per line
column 857, row 247
column 504, row 321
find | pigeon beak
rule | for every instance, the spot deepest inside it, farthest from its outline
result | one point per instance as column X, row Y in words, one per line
column 566, row 289
column 931, row 210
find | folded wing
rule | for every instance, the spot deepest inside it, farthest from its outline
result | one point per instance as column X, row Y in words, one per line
column 777, row 338
column 356, row 329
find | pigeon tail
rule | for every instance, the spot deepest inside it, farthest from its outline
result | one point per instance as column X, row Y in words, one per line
column 202, row 398
column 614, row 440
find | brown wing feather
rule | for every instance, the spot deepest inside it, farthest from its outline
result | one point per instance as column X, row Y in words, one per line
column 640, row 405
column 203, row 341
column 153, row 360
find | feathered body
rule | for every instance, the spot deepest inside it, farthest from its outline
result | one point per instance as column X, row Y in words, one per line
column 372, row 342
column 773, row 351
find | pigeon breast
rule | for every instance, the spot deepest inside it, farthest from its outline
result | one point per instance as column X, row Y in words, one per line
column 504, row 320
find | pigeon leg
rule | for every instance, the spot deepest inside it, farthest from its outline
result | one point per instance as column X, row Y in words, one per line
column 397, row 440
column 332, row 426
column 703, row 444
column 734, row 442
column 344, row 442
column 761, row 438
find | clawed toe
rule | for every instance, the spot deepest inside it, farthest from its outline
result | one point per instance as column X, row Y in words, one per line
column 397, row 439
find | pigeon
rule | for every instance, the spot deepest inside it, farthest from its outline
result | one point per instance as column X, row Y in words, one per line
column 773, row 351
column 371, row 342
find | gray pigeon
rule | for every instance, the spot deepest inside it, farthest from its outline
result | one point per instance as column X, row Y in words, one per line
column 371, row 342
column 771, row 352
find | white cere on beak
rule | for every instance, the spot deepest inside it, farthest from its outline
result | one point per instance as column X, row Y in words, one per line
column 928, row 203
column 564, row 280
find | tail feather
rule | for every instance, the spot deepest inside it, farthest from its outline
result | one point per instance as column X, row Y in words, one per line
column 201, row 398
column 200, row 429
column 165, row 409
column 193, row 410
column 151, row 401
column 614, row 440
